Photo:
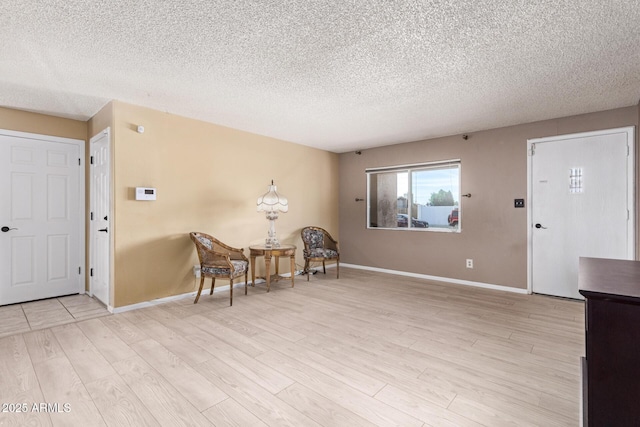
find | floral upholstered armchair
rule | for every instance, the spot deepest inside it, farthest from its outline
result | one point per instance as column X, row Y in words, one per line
column 218, row 260
column 319, row 246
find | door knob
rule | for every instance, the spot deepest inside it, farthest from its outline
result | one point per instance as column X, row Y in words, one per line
column 5, row 229
column 103, row 229
column 540, row 226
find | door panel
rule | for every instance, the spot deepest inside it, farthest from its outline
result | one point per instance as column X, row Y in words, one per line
column 581, row 198
column 41, row 189
column 22, row 255
column 57, row 198
column 21, row 196
column 58, row 256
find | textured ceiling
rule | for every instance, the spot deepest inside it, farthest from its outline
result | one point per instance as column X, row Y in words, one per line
column 337, row 75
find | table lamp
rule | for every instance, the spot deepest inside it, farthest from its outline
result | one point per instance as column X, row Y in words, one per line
column 272, row 203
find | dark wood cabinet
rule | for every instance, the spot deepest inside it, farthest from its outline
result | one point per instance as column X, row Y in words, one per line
column 611, row 371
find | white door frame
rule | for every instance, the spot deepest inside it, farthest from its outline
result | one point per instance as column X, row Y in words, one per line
column 81, row 192
column 95, row 137
column 631, row 189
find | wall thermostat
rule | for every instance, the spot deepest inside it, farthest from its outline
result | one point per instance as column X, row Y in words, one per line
column 145, row 193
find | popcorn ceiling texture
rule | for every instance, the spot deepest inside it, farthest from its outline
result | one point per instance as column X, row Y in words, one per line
column 337, row 75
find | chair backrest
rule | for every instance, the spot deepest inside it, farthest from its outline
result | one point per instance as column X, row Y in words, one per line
column 313, row 237
column 203, row 243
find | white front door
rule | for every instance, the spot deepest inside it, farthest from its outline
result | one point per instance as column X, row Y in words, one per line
column 100, row 229
column 581, row 205
column 41, row 217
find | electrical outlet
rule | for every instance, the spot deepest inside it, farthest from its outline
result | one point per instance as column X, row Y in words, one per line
column 469, row 263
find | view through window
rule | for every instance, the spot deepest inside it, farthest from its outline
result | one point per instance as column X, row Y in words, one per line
column 418, row 197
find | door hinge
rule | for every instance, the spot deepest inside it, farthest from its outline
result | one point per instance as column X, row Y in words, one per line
column 532, row 151
column 91, row 272
column 91, row 216
column 91, row 159
column 79, row 270
column 79, row 162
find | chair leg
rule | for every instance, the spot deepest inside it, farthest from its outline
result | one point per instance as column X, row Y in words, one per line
column 246, row 278
column 231, row 292
column 338, row 268
column 213, row 283
column 306, row 268
column 199, row 290
column 324, row 269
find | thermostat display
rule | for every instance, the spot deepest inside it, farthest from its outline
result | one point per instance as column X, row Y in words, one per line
column 145, row 193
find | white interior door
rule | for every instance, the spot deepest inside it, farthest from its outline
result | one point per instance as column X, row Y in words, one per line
column 42, row 217
column 100, row 217
column 581, row 205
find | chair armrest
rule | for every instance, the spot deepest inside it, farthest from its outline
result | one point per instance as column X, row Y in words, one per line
column 216, row 259
column 234, row 253
column 238, row 254
column 330, row 243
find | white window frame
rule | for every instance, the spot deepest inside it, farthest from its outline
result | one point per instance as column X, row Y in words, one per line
column 409, row 168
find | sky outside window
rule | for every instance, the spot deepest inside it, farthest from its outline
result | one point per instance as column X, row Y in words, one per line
column 426, row 182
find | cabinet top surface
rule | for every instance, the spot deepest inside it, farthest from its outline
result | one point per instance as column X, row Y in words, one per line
column 609, row 276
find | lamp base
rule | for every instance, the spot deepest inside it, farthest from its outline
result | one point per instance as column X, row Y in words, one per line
column 271, row 242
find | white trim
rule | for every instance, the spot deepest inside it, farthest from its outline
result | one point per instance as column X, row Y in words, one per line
column 164, row 300
column 624, row 129
column 41, row 137
column 153, row 303
column 630, row 131
column 442, row 164
column 83, row 214
column 439, row 279
column 529, row 215
column 427, row 165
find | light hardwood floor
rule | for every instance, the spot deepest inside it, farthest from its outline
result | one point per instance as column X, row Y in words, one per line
column 368, row 349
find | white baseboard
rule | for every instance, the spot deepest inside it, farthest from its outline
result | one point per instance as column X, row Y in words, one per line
column 165, row 300
column 439, row 279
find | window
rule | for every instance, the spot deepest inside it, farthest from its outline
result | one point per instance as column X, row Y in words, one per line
column 423, row 197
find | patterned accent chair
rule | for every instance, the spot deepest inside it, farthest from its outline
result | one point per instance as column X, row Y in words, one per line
column 218, row 260
column 319, row 246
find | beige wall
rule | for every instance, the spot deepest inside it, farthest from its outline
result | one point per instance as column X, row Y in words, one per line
column 207, row 178
column 102, row 120
column 24, row 121
column 494, row 233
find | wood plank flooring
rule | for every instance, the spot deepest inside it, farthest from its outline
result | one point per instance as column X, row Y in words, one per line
column 369, row 349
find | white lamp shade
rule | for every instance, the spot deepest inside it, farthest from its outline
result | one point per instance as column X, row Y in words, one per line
column 271, row 201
